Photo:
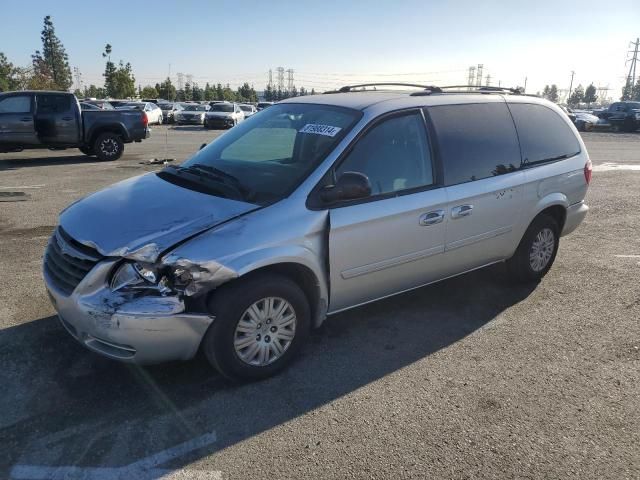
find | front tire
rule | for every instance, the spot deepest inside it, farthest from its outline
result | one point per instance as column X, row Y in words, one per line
column 260, row 325
column 537, row 250
column 108, row 146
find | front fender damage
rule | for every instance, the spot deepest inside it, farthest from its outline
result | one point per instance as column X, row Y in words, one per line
column 199, row 277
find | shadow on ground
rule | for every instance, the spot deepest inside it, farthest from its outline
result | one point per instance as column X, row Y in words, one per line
column 7, row 163
column 63, row 405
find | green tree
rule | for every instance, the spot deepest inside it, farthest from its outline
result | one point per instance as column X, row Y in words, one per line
column 123, row 82
column 313, row 91
column 590, row 95
column 109, row 72
column 553, row 93
column 166, row 90
column 188, row 91
column 228, row 94
column 219, row 92
column 149, row 92
column 197, row 93
column 577, row 96
column 51, row 66
column 635, row 92
column 7, row 74
column 303, row 91
column 209, row 93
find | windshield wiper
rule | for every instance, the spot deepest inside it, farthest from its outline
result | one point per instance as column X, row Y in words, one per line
column 218, row 176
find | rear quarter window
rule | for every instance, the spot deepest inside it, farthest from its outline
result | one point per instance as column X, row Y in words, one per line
column 476, row 141
column 544, row 135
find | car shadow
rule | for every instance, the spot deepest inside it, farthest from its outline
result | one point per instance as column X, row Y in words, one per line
column 19, row 162
column 63, row 405
column 187, row 128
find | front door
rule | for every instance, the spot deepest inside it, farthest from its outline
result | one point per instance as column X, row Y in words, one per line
column 16, row 121
column 394, row 240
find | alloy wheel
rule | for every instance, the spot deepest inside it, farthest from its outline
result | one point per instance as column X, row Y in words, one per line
column 542, row 249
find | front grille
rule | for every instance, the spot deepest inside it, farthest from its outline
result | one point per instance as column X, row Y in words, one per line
column 67, row 261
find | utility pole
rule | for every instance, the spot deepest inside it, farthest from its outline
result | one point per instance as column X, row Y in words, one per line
column 631, row 78
column 290, row 80
column 471, row 77
column 280, row 71
column 479, row 75
column 78, row 76
column 488, row 80
column 270, row 83
column 525, row 85
column 571, row 85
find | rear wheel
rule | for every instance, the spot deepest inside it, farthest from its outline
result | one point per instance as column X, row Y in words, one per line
column 260, row 325
column 108, row 146
column 537, row 250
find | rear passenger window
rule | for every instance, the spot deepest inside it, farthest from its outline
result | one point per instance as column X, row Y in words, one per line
column 394, row 155
column 476, row 141
column 53, row 103
column 544, row 135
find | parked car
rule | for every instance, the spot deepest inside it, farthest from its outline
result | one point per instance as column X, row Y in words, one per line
column 192, row 114
column 569, row 113
column 248, row 110
column 169, row 111
column 263, row 105
column 585, row 121
column 119, row 103
column 622, row 116
column 318, row 205
column 101, row 104
column 54, row 120
column 223, row 115
column 154, row 113
column 89, row 106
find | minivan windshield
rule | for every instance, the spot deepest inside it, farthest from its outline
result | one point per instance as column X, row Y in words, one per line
column 196, row 108
column 263, row 160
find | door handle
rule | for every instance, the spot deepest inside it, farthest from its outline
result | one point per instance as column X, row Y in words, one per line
column 26, row 119
column 67, row 119
column 431, row 218
column 461, row 211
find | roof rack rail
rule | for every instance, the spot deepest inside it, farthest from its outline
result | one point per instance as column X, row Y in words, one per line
column 484, row 88
column 351, row 88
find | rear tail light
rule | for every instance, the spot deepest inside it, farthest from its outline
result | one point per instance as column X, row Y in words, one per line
column 587, row 171
column 145, row 120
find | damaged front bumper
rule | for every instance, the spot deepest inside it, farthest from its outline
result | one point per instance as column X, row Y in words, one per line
column 138, row 329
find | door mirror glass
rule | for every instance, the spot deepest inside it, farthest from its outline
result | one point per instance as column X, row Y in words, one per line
column 350, row 186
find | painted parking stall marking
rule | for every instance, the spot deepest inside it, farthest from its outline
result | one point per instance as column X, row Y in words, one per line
column 318, row 129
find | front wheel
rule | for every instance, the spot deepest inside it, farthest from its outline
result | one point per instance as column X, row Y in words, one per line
column 260, row 325
column 108, row 146
column 537, row 250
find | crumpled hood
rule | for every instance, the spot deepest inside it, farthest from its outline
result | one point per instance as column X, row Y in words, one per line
column 141, row 217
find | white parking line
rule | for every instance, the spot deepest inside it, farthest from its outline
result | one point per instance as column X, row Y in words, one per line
column 609, row 166
column 22, row 187
column 143, row 469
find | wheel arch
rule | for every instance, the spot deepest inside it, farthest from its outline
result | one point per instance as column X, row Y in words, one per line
column 118, row 129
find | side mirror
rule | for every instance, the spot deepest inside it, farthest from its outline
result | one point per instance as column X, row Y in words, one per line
column 202, row 146
column 350, row 186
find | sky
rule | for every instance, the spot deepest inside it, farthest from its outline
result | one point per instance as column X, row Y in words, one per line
column 332, row 43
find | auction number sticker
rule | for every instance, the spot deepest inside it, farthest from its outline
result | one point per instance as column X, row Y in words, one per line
column 317, row 129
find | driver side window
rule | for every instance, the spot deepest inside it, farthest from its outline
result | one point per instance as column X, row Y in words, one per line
column 394, row 155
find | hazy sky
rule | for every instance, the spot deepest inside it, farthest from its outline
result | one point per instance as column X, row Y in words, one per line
column 331, row 43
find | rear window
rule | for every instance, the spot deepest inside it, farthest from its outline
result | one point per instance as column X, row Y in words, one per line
column 53, row 103
column 476, row 141
column 544, row 135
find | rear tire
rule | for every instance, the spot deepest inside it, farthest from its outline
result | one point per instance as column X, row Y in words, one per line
column 249, row 339
column 537, row 250
column 108, row 146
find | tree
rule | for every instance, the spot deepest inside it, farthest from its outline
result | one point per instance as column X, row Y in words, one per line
column 209, row 92
column 197, row 93
column 188, row 91
column 577, row 96
column 553, row 93
column 313, row 91
column 109, row 72
column 51, row 66
column 219, row 92
column 268, row 93
column 228, row 94
column 590, row 95
column 166, row 90
column 119, row 82
column 7, row 74
column 303, row 91
column 545, row 92
column 149, row 92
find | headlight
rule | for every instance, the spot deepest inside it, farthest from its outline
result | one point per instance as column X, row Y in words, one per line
column 163, row 279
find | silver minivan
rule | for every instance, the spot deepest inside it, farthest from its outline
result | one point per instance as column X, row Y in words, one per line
column 313, row 206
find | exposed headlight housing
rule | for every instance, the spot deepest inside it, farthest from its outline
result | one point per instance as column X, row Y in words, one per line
column 131, row 276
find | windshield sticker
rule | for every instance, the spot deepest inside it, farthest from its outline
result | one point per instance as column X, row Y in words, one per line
column 326, row 130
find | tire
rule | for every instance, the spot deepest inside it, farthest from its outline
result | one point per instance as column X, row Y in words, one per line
column 581, row 126
column 88, row 151
column 230, row 305
column 108, row 146
column 542, row 236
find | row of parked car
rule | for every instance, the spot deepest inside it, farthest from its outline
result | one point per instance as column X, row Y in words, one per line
column 215, row 114
column 621, row 116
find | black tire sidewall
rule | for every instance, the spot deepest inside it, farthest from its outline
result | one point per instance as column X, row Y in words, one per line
column 519, row 264
column 229, row 303
column 105, row 136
